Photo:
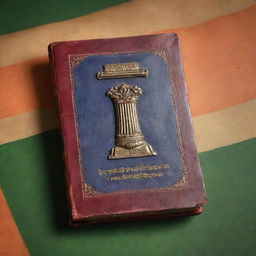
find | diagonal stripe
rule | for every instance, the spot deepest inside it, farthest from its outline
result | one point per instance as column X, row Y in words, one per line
column 225, row 127
column 25, row 86
column 219, row 64
column 204, row 78
column 124, row 20
column 27, row 124
column 34, row 177
column 206, row 81
column 217, row 129
column 11, row 242
column 16, row 15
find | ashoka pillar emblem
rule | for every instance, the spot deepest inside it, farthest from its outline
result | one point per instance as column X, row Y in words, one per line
column 130, row 141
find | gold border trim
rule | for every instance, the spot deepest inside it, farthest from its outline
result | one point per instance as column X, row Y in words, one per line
column 87, row 190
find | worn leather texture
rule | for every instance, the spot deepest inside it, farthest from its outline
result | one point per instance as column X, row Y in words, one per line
column 88, row 126
column 97, row 125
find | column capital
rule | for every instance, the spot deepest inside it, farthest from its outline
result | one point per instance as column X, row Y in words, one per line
column 125, row 93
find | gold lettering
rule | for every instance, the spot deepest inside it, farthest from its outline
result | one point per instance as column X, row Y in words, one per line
column 133, row 169
column 135, row 176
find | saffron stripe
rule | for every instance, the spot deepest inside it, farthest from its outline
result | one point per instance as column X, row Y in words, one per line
column 119, row 22
column 208, row 74
column 12, row 243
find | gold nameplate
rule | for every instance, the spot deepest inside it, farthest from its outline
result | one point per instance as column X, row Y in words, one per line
column 129, row 138
column 122, row 70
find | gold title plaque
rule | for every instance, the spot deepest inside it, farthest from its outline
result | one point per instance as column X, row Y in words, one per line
column 122, row 70
column 129, row 138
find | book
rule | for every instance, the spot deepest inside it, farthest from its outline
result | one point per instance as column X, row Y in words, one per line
column 130, row 151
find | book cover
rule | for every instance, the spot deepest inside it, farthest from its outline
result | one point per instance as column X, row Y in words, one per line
column 129, row 143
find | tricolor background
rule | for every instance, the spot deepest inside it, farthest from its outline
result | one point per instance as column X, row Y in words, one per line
column 218, row 43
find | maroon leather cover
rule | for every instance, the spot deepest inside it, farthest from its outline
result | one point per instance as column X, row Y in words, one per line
column 184, row 198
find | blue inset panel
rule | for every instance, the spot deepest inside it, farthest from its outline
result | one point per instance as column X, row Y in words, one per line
column 96, row 122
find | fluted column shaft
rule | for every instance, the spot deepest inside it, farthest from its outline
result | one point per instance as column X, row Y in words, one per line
column 127, row 119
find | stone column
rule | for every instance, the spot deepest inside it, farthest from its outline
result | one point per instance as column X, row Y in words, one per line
column 129, row 138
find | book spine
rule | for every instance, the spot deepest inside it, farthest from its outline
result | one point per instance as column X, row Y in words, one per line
column 55, row 88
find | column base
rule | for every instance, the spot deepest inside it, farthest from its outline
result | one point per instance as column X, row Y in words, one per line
column 144, row 150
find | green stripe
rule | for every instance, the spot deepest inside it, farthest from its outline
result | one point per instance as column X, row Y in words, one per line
column 32, row 180
column 17, row 15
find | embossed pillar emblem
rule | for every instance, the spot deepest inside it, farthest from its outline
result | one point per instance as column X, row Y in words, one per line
column 129, row 138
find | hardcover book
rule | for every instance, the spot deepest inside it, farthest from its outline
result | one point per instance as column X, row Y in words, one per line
column 129, row 144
